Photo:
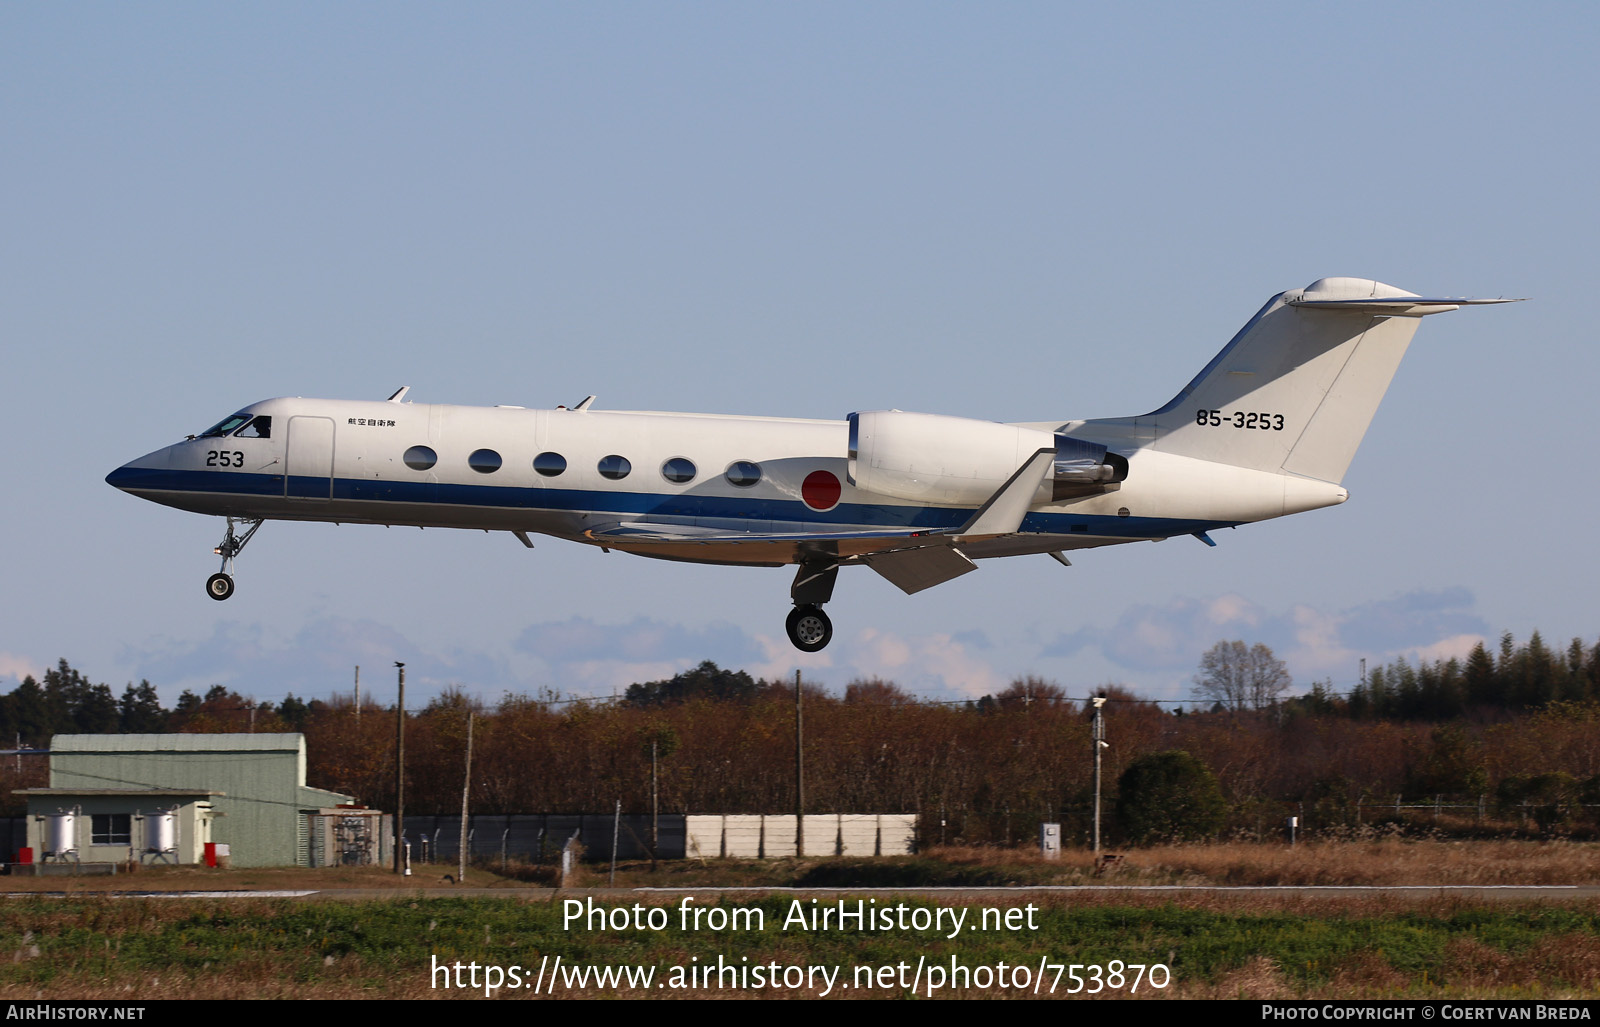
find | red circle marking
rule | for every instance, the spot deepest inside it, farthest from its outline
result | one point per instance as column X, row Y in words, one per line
column 820, row 490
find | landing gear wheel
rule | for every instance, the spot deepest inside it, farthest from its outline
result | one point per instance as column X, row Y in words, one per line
column 219, row 586
column 809, row 628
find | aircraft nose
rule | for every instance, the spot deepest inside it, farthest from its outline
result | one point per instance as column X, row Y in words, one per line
column 135, row 475
column 122, row 477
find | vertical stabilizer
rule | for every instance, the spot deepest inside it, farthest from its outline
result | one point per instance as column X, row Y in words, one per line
column 1295, row 390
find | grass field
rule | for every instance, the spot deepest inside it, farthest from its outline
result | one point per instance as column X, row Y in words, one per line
column 1225, row 945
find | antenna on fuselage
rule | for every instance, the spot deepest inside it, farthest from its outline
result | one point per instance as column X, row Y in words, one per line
column 585, row 404
column 401, row 395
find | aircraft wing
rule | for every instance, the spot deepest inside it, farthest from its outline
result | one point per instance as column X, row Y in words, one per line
column 912, row 558
column 652, row 538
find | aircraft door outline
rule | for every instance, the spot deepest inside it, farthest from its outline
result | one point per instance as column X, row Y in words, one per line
column 308, row 459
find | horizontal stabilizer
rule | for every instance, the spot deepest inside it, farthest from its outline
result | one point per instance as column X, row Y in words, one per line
column 1409, row 307
column 1364, row 296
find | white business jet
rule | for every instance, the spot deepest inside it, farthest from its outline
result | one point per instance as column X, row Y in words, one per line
column 1267, row 428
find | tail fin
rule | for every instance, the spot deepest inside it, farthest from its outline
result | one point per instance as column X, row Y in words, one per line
column 1295, row 390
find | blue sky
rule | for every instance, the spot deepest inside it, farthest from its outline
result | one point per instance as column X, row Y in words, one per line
column 1014, row 212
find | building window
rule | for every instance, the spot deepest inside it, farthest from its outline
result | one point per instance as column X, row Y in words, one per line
column 678, row 470
column 743, row 473
column 111, row 829
column 614, row 467
column 484, row 461
column 420, row 458
column 550, row 464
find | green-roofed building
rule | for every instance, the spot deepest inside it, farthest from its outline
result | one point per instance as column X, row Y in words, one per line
column 247, row 791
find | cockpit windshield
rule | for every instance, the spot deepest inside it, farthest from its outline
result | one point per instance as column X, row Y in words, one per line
column 224, row 426
column 257, row 428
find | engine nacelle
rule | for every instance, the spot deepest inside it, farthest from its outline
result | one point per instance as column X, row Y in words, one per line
column 957, row 461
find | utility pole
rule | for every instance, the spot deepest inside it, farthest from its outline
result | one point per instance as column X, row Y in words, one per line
column 1099, row 744
column 400, row 774
column 655, row 805
column 466, row 787
column 358, row 695
column 799, row 775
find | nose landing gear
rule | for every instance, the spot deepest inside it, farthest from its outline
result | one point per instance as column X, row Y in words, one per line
column 220, row 585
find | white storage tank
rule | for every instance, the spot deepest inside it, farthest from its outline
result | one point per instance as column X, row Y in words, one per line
column 60, row 833
column 161, row 832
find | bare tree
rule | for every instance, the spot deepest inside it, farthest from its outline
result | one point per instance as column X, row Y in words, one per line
column 1241, row 677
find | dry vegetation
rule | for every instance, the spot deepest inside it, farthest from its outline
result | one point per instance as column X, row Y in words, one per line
column 1391, row 862
column 1377, row 862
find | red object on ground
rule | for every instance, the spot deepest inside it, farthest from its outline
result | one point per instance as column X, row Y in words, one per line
column 211, row 854
column 25, row 855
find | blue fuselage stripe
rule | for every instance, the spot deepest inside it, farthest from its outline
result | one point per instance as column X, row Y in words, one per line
column 724, row 508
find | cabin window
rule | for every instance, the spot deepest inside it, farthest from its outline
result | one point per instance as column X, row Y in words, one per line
column 743, row 473
column 110, row 829
column 484, row 461
column 420, row 458
column 260, row 428
column 550, row 464
column 224, row 426
column 614, row 467
column 678, row 470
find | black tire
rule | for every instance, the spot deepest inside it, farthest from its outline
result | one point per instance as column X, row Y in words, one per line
column 219, row 587
column 809, row 629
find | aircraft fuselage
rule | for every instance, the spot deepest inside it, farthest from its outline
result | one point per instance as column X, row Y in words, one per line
column 345, row 461
column 1267, row 428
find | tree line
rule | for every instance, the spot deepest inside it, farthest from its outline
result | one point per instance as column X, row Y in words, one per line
column 1517, row 678
column 67, row 702
column 716, row 740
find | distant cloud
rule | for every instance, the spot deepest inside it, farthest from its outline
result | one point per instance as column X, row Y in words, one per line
column 19, row 667
column 974, row 639
column 1151, row 638
column 1427, row 624
column 1405, row 621
column 598, row 659
column 641, row 640
column 1155, row 648
column 580, row 656
column 1457, row 647
column 936, row 663
column 316, row 661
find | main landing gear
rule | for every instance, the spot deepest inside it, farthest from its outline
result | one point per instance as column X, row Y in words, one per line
column 809, row 628
column 220, row 585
